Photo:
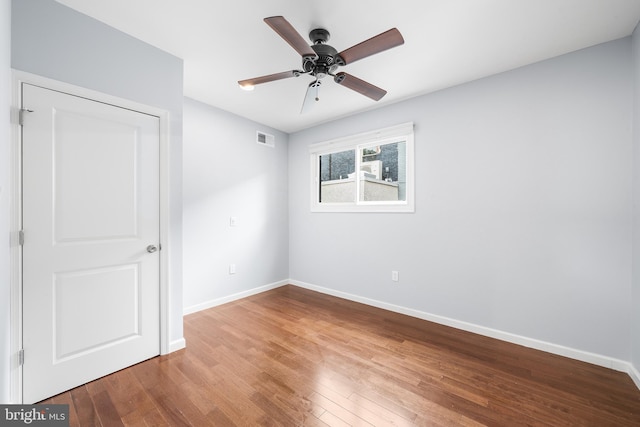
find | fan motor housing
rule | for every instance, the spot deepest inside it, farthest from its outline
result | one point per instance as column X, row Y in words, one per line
column 326, row 62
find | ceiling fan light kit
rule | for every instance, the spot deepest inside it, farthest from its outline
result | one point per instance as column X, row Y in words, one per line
column 320, row 60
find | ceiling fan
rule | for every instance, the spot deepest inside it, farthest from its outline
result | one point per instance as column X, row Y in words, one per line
column 320, row 60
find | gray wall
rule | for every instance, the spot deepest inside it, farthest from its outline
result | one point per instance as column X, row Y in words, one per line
column 635, row 327
column 54, row 41
column 523, row 209
column 5, row 167
column 523, row 217
column 226, row 173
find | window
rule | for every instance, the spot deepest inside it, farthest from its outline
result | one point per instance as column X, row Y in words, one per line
column 369, row 172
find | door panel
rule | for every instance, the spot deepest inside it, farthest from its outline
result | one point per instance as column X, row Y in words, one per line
column 90, row 209
column 79, row 327
column 81, row 211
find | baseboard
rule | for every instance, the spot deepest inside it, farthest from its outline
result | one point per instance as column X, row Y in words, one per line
column 634, row 374
column 223, row 300
column 177, row 345
column 584, row 356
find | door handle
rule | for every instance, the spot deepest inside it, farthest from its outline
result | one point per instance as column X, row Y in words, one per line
column 152, row 248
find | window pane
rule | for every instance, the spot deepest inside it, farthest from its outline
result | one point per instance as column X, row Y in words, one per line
column 367, row 172
column 383, row 173
column 337, row 177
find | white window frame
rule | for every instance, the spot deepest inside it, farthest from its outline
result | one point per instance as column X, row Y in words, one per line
column 399, row 133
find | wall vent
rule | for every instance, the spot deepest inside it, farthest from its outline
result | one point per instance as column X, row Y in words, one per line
column 265, row 139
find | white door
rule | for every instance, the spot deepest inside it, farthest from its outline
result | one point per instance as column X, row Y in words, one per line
column 91, row 223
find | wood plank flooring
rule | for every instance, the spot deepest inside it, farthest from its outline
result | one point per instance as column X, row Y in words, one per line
column 293, row 357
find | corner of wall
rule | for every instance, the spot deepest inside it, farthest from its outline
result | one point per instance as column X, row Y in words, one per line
column 5, row 156
column 635, row 286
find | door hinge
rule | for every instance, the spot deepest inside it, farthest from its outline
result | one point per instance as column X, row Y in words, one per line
column 21, row 357
column 21, row 238
column 21, row 115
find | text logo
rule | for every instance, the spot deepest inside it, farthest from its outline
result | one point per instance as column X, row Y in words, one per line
column 34, row 415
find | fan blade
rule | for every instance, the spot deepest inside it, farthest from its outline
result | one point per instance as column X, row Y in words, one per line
column 360, row 86
column 265, row 79
column 377, row 44
column 290, row 35
column 311, row 97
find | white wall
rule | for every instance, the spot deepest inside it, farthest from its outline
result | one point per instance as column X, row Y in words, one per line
column 523, row 217
column 635, row 326
column 226, row 173
column 54, row 41
column 5, row 167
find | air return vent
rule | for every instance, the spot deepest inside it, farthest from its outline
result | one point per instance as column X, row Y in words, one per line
column 265, row 139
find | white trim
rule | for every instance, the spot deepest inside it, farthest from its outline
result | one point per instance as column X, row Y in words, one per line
column 223, row 300
column 634, row 374
column 177, row 345
column 165, row 243
column 19, row 77
column 584, row 356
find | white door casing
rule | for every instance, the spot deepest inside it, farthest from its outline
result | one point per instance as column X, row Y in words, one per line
column 91, row 289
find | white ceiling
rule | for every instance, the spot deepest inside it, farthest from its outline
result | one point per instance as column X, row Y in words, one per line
column 447, row 42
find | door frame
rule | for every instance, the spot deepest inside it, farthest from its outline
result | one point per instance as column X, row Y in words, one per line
column 16, row 327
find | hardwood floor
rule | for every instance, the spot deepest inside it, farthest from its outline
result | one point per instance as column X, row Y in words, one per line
column 292, row 357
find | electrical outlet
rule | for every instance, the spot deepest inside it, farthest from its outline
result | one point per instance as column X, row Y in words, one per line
column 232, row 269
column 233, row 221
column 395, row 276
